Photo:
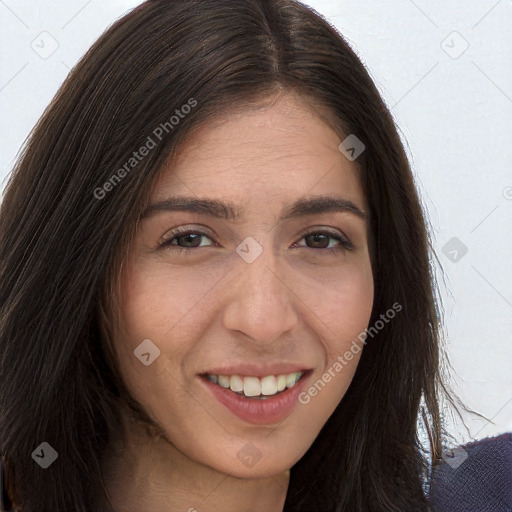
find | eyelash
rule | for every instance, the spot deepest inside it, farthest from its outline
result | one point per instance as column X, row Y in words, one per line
column 177, row 233
column 345, row 244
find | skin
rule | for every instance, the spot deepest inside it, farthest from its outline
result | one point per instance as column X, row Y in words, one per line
column 295, row 303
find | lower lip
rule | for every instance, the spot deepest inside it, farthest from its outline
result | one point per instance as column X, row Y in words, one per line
column 257, row 411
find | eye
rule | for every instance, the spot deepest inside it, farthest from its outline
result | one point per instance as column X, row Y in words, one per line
column 184, row 239
column 326, row 241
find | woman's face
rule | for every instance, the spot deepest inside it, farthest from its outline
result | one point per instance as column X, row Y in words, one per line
column 253, row 288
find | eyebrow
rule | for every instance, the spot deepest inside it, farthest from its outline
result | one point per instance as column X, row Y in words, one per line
column 229, row 211
column 321, row 204
column 211, row 207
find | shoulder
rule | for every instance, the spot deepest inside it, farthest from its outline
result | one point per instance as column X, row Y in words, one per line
column 476, row 477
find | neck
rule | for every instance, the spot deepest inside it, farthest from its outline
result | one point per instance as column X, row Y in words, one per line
column 146, row 472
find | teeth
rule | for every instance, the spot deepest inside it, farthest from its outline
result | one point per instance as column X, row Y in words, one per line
column 291, row 379
column 281, row 382
column 223, row 380
column 255, row 387
column 236, row 383
column 252, row 386
column 268, row 385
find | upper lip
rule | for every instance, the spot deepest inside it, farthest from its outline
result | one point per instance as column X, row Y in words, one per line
column 257, row 370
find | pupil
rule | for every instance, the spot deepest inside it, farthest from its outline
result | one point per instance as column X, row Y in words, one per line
column 191, row 237
column 319, row 238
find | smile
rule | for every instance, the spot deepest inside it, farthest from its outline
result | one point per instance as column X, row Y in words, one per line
column 260, row 400
column 255, row 387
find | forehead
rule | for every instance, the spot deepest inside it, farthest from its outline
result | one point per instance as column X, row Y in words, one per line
column 281, row 149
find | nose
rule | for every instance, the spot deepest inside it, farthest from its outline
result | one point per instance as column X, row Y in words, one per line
column 260, row 301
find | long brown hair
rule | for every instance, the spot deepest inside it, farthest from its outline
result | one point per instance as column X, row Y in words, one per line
column 64, row 231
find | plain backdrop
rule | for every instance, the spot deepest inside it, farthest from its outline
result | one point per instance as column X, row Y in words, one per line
column 445, row 70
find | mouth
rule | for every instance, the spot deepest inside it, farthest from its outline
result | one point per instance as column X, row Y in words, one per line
column 260, row 400
column 258, row 388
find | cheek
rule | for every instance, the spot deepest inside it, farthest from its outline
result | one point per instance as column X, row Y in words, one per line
column 340, row 302
column 341, row 298
column 159, row 300
column 350, row 308
column 166, row 307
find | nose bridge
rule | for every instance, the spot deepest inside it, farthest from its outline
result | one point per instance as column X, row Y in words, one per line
column 263, row 288
column 261, row 304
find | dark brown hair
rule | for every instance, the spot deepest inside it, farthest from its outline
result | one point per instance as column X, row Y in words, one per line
column 62, row 248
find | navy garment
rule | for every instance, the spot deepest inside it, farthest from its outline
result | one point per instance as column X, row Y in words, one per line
column 476, row 478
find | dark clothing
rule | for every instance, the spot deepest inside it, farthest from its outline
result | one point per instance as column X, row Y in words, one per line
column 481, row 483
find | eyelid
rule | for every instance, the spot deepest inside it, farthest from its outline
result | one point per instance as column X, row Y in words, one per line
column 345, row 243
column 184, row 230
column 337, row 235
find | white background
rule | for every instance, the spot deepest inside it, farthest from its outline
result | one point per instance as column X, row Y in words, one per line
column 454, row 109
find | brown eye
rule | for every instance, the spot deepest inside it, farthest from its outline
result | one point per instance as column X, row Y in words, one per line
column 325, row 240
column 186, row 239
column 189, row 240
column 317, row 240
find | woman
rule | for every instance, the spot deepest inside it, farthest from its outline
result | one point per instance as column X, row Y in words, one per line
column 215, row 281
